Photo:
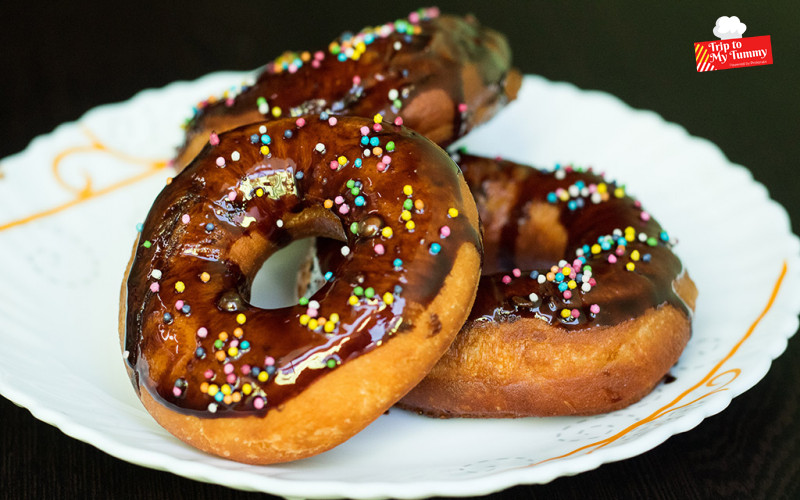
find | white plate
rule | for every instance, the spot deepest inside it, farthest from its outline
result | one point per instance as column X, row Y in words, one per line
column 69, row 204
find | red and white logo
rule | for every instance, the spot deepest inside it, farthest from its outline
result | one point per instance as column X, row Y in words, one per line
column 732, row 50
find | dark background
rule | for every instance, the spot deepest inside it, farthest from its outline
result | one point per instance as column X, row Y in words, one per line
column 56, row 62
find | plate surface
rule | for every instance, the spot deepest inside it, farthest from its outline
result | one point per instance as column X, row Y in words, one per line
column 70, row 202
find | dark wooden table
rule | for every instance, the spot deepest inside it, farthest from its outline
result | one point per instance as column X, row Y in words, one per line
column 58, row 62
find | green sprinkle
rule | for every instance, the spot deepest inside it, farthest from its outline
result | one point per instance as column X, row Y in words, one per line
column 303, row 301
column 218, row 344
column 390, row 146
column 652, row 241
column 358, row 291
column 354, row 191
column 408, row 204
column 147, row 244
column 331, row 363
column 261, row 101
column 354, row 228
column 350, row 184
column 369, row 293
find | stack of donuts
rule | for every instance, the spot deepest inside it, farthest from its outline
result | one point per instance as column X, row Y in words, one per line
column 453, row 285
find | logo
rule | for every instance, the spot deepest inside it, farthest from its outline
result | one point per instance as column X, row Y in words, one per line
column 732, row 50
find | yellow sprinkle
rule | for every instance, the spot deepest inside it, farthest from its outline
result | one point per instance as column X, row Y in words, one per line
column 353, row 300
column 180, row 287
column 313, row 324
column 452, row 212
column 276, row 111
column 596, row 248
column 247, row 389
column 407, row 190
column 233, row 351
column 238, row 332
column 342, row 160
column 566, row 271
column 388, row 298
column 304, row 319
column 226, row 389
column 635, row 255
column 602, row 188
column 220, row 355
column 259, row 192
column 241, row 318
column 387, row 232
column 619, row 192
column 405, row 215
column 204, row 387
column 410, row 225
column 205, row 277
column 334, row 318
column 377, row 118
column 223, row 336
column 571, row 284
column 630, row 236
column 328, row 204
column 329, row 326
column 566, row 313
column 213, row 389
column 265, row 148
column 263, row 376
column 630, row 266
column 563, row 196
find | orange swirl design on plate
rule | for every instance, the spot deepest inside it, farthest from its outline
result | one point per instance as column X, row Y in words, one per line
column 715, row 380
column 87, row 191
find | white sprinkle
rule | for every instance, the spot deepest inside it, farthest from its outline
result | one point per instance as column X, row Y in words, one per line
column 406, row 92
column 235, row 156
column 562, row 263
column 642, row 237
column 560, row 174
column 125, row 354
column 313, row 304
column 212, row 407
column 393, row 94
column 156, row 274
column 541, row 278
column 279, row 223
column 262, row 129
column 397, row 45
column 573, row 191
column 345, row 250
column 367, row 152
column 617, row 232
column 263, row 108
column 533, row 297
column 586, row 287
column 579, row 252
column 320, row 147
column 585, row 192
column 587, row 275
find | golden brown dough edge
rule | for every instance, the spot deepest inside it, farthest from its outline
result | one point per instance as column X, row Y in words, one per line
column 342, row 403
column 530, row 368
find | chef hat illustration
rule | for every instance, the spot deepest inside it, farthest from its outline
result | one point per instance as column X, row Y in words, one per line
column 729, row 27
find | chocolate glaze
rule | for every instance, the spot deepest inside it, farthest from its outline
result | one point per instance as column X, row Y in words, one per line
column 620, row 294
column 449, row 74
column 202, row 245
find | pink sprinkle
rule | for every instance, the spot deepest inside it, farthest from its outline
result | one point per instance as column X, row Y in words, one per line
column 398, row 121
column 213, row 139
column 258, row 403
column 377, row 127
column 232, row 378
column 612, row 259
column 344, row 209
column 300, row 122
column 232, row 195
column 645, row 216
column 577, row 264
column 234, row 343
column 637, row 203
column 178, row 304
column 154, row 287
column 334, row 165
column 462, row 108
column 229, row 101
column 228, row 368
column 315, row 63
column 339, row 200
column 380, row 166
column 506, row 279
column 245, row 369
column 292, row 68
column 379, row 249
column 269, row 361
column 319, row 55
column 202, row 332
column 332, row 121
column 185, row 218
column 413, row 17
column 567, row 294
column 220, row 161
column 209, row 374
column 576, row 313
column 364, row 130
column 444, row 231
column 386, row 159
column 592, row 282
column 516, row 272
column 356, row 80
column 311, row 312
column 176, row 391
column 620, row 250
column 594, row 308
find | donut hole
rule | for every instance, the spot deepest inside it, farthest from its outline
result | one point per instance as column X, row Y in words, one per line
column 276, row 283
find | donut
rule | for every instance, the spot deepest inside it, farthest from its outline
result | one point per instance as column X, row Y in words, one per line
column 270, row 385
column 440, row 75
column 582, row 306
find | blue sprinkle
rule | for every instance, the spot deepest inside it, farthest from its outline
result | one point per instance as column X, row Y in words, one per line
column 360, row 201
column 364, row 140
column 245, row 345
column 580, row 184
column 287, row 134
column 586, row 249
column 324, row 115
column 167, row 318
column 270, row 369
column 200, row 353
column 562, row 287
column 572, row 205
column 435, row 248
column 397, row 263
column 219, row 396
column 580, row 202
column 328, row 276
column 534, row 274
column 254, row 139
column 622, row 242
column 559, row 276
column 186, row 309
column 255, row 371
column 139, row 227
column 664, row 236
column 266, row 139
column 579, row 277
column 646, row 257
column 605, row 245
column 358, row 162
column 558, row 166
column 582, row 259
column 398, row 289
column 341, row 57
column 374, row 141
column 209, row 227
column 299, row 175
column 552, row 198
column 369, row 38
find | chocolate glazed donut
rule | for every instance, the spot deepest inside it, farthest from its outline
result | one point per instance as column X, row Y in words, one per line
column 582, row 307
column 440, row 75
column 264, row 386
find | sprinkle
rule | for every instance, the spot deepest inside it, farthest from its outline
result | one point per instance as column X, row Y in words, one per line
column 390, row 146
column 357, row 163
column 139, row 227
column 506, row 279
column 300, row 122
column 452, row 212
column 594, row 309
column 241, row 318
column 444, row 232
column 332, row 121
column 388, row 298
column 576, row 313
column 202, row 332
column 369, row 292
column 320, row 148
column 154, row 287
column 209, row 227
column 180, row 286
column 398, row 121
column 147, row 244
column 387, row 232
column 276, row 111
column 213, row 139
column 265, row 150
column 435, row 248
column 232, row 196
column 566, row 313
column 630, row 266
column 258, row 402
column 378, row 118
column 397, row 262
column 408, row 190
column 379, row 249
column 185, row 218
column 220, row 161
column 167, row 318
column 533, row 297
column 178, row 304
column 345, row 250
column 205, row 277
column 342, row 160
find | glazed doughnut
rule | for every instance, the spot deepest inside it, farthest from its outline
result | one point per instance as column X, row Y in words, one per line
column 440, row 75
column 582, row 307
column 263, row 386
